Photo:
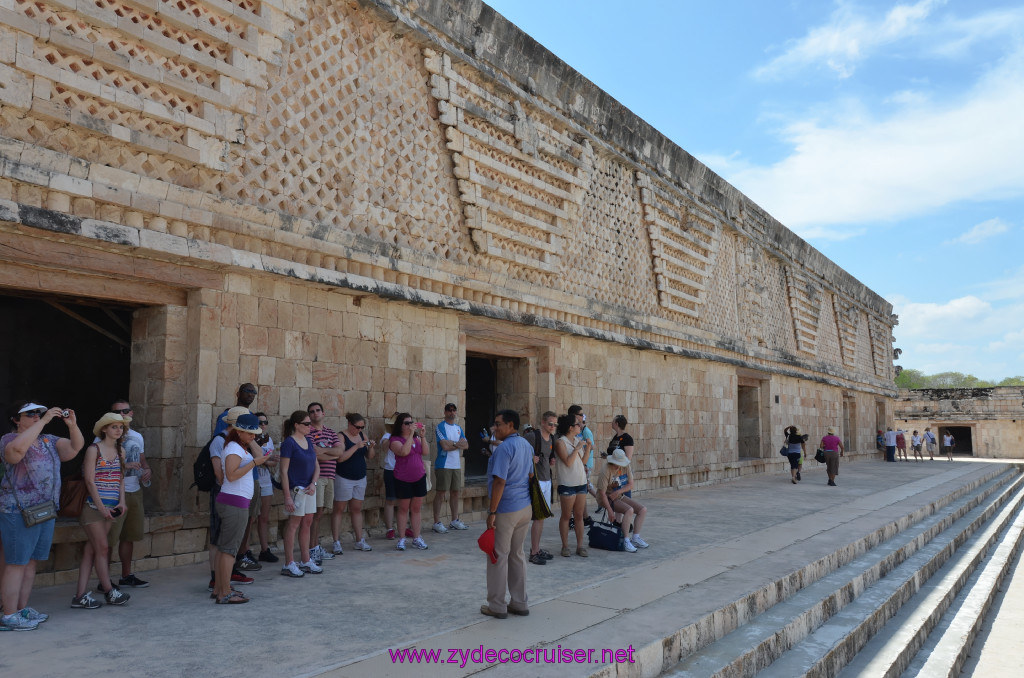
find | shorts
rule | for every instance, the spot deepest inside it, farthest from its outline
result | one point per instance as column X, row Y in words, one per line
column 233, row 521
column 832, row 462
column 406, row 490
column 345, row 489
column 255, row 503
column 324, row 492
column 214, row 516
column 90, row 515
column 917, row 448
column 305, row 504
column 794, row 459
column 571, row 490
column 131, row 526
column 931, row 448
column 545, row 490
column 389, row 485
column 448, row 479
column 22, row 544
column 266, row 488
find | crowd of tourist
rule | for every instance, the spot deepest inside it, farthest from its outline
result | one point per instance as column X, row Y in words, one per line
column 315, row 468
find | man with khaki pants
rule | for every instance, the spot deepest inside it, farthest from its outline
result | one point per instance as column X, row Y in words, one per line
column 508, row 480
column 451, row 441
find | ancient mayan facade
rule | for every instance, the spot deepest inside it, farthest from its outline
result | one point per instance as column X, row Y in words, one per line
column 986, row 422
column 347, row 201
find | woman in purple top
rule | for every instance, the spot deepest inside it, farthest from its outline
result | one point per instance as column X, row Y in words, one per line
column 299, row 473
column 410, row 475
column 833, row 447
column 32, row 476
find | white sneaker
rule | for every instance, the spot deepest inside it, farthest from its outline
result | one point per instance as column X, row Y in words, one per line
column 323, row 555
column 361, row 545
column 440, row 528
column 628, row 545
column 638, row 541
column 337, row 548
column 420, row 544
column 400, row 546
column 292, row 570
column 311, row 567
column 457, row 525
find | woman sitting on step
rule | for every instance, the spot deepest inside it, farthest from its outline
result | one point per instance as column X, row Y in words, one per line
column 613, row 486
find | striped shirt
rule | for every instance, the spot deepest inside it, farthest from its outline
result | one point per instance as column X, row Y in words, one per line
column 108, row 481
column 325, row 437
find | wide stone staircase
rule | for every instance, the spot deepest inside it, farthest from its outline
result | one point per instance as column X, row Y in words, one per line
column 905, row 599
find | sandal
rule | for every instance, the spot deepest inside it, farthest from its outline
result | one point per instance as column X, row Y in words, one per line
column 234, row 598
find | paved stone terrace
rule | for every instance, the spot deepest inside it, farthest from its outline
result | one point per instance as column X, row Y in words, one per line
column 343, row 622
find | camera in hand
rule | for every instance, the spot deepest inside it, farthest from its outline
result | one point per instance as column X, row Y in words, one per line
column 65, row 414
column 116, row 511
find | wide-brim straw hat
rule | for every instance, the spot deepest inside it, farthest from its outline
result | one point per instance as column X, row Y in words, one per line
column 108, row 419
column 390, row 421
column 830, row 430
column 234, row 413
column 618, row 457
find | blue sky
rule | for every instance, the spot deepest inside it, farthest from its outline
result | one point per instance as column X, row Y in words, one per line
column 889, row 135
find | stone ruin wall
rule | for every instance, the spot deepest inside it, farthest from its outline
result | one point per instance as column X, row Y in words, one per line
column 995, row 416
column 311, row 195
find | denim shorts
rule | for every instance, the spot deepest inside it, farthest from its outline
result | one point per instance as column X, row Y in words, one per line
column 22, row 544
column 571, row 490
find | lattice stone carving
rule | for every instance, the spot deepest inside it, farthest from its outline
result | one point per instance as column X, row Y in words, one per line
column 174, row 77
column 521, row 175
column 751, row 278
column 684, row 243
column 881, row 346
column 805, row 305
column 847, row 318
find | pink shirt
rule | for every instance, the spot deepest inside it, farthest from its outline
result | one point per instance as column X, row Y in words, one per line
column 409, row 468
column 831, row 443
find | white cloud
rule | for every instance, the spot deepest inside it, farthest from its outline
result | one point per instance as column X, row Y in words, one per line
column 857, row 167
column 930, row 319
column 848, row 39
column 981, row 232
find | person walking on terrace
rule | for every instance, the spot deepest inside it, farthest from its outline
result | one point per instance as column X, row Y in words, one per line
column 833, row 448
column 796, row 444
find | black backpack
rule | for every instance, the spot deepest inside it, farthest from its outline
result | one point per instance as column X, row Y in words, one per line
column 203, row 477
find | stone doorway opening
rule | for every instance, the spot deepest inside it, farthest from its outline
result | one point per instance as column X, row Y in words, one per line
column 964, row 442
column 481, row 404
column 492, row 383
column 65, row 351
column 849, row 431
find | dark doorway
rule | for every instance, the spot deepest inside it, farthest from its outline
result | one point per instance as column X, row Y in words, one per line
column 481, row 404
column 59, row 351
column 749, row 405
column 962, row 437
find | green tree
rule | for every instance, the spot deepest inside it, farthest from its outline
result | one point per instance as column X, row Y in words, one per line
column 1012, row 381
column 912, row 379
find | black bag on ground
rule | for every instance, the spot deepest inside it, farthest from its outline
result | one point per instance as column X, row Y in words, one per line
column 606, row 536
column 203, row 477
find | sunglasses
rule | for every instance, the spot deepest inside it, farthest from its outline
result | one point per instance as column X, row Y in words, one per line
column 361, row 427
column 124, row 411
column 264, row 422
column 306, row 423
column 407, row 423
column 33, row 413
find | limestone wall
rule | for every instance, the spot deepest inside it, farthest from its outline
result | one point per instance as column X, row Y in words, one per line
column 994, row 415
column 340, row 200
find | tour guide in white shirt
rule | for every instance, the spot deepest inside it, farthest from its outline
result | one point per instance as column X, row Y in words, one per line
column 509, row 514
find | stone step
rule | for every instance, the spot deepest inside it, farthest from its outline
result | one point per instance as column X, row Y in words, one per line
column 840, row 642
column 761, row 640
column 946, row 648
